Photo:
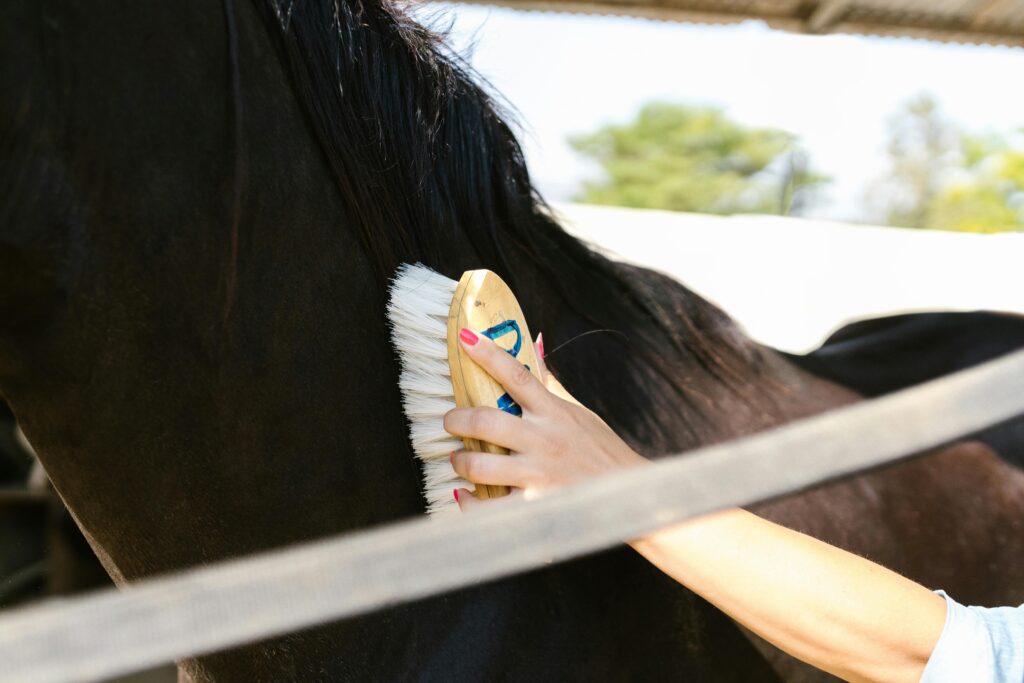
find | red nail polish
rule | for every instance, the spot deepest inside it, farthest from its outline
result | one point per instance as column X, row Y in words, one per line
column 455, row 492
column 468, row 337
column 540, row 345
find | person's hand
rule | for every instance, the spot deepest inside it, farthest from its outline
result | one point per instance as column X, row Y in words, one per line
column 556, row 441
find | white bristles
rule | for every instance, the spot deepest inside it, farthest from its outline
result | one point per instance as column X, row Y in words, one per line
column 418, row 313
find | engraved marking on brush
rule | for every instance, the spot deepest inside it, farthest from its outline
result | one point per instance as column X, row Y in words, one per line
column 505, row 402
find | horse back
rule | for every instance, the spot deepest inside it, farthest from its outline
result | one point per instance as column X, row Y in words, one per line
column 878, row 356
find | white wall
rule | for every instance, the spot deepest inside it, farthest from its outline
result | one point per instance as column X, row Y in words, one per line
column 790, row 282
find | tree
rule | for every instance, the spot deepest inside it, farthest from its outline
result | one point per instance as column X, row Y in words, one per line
column 922, row 147
column 988, row 194
column 696, row 159
column 945, row 179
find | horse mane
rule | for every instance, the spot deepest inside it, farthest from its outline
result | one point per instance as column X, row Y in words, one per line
column 422, row 156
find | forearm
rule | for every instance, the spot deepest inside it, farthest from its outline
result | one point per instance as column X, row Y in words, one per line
column 822, row 605
column 825, row 606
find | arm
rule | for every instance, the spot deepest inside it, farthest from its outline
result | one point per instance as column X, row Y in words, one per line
column 822, row 605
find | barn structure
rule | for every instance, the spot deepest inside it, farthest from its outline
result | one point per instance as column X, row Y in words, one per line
column 995, row 22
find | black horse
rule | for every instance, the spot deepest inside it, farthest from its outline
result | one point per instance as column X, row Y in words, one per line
column 200, row 207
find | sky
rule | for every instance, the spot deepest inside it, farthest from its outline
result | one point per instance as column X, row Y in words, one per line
column 567, row 74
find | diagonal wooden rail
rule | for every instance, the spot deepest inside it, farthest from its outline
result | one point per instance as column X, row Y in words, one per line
column 214, row 607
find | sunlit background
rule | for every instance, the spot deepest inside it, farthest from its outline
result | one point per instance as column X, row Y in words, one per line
column 810, row 145
column 842, row 98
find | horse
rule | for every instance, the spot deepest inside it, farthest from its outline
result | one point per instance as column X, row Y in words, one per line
column 880, row 355
column 202, row 204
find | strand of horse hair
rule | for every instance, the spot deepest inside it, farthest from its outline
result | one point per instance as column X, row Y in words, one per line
column 581, row 335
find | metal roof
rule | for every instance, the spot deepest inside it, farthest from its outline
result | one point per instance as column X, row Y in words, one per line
column 996, row 22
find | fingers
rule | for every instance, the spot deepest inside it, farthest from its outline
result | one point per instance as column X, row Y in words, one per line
column 467, row 500
column 515, row 377
column 486, row 424
column 488, row 468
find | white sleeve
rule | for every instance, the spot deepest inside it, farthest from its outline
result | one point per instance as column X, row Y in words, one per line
column 978, row 644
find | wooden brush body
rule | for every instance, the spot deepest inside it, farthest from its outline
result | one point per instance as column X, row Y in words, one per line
column 484, row 304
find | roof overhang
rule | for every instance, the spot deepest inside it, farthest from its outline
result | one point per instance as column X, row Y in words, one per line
column 994, row 22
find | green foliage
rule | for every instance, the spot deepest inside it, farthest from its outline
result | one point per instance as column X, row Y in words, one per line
column 943, row 178
column 922, row 144
column 692, row 159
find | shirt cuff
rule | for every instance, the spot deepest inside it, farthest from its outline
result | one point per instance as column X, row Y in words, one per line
column 963, row 651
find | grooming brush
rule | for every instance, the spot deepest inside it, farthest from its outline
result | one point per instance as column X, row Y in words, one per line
column 426, row 311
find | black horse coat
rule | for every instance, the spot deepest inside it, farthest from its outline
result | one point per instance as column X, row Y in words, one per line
column 200, row 205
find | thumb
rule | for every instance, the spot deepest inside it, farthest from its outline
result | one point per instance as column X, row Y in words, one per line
column 555, row 387
column 549, row 381
column 538, row 348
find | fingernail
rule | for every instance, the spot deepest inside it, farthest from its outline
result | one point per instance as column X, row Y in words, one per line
column 468, row 337
column 455, row 492
column 540, row 345
column 451, row 458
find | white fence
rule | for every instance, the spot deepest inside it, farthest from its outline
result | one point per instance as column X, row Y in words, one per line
column 790, row 281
